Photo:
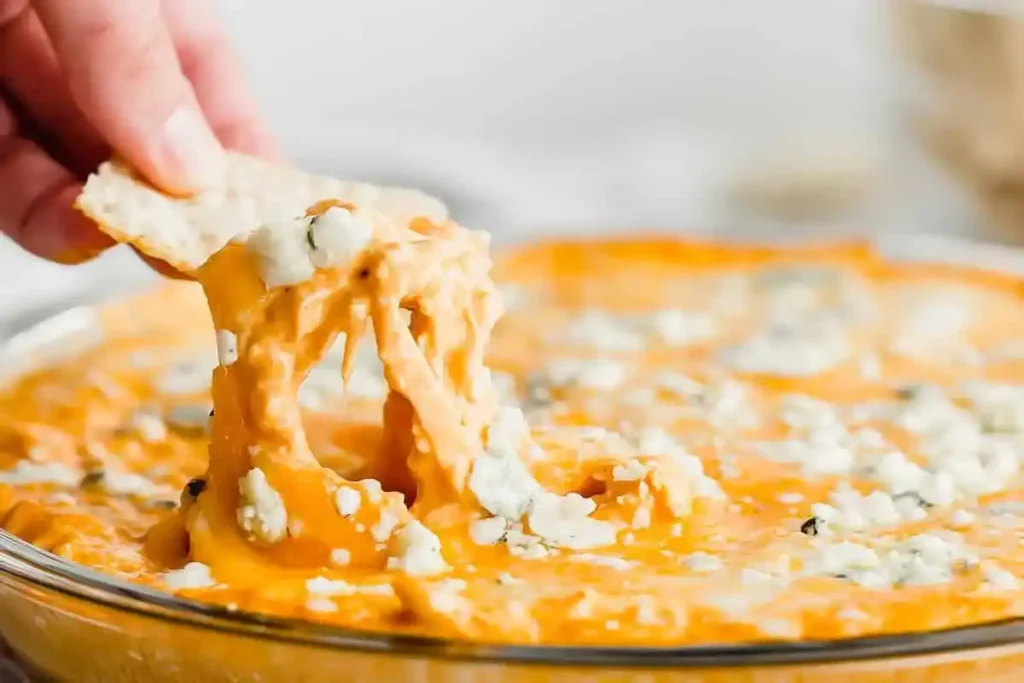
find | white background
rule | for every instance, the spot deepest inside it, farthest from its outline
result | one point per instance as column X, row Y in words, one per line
column 529, row 116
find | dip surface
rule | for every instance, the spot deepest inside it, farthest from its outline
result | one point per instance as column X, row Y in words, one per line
column 766, row 445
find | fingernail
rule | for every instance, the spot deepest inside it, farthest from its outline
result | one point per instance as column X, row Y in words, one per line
column 59, row 233
column 75, row 256
column 191, row 148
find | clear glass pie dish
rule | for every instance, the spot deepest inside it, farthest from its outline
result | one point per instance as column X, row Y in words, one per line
column 63, row 622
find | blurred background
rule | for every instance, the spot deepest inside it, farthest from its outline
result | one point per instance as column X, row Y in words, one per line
column 533, row 116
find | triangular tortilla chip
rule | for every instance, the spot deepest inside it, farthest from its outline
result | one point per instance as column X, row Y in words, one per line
column 186, row 231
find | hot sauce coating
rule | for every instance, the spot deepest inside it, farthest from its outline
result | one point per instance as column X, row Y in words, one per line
column 724, row 443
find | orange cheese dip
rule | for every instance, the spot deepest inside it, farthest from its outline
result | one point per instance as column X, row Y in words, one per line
column 675, row 443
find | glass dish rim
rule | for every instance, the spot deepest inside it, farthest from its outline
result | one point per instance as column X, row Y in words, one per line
column 21, row 562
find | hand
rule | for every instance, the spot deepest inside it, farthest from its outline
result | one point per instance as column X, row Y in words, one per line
column 153, row 81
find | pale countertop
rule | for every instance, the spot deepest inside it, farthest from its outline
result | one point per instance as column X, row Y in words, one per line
column 576, row 115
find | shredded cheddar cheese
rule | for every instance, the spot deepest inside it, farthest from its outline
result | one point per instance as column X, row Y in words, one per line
column 665, row 442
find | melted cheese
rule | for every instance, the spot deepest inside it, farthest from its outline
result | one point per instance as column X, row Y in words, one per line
column 268, row 499
column 703, row 443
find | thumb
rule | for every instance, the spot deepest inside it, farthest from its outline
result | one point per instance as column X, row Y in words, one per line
column 124, row 75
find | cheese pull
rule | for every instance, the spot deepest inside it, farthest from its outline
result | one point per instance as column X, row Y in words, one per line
column 282, row 285
column 280, row 290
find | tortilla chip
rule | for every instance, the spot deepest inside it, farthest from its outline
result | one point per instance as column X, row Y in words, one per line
column 186, row 231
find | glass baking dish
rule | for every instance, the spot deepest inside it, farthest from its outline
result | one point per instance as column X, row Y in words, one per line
column 63, row 622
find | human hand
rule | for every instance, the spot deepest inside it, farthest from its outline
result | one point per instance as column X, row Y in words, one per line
column 152, row 81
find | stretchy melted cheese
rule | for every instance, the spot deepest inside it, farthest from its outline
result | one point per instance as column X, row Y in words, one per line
column 683, row 443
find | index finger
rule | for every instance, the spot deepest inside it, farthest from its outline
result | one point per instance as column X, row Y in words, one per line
column 213, row 68
column 123, row 73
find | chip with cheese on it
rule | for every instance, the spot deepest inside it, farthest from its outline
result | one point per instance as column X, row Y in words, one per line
column 186, row 231
column 288, row 262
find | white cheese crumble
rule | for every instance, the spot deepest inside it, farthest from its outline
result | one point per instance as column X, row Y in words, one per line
column 870, row 368
column 608, row 331
column 898, row 474
column 927, row 410
column 227, row 347
column 523, row 545
column 642, row 518
column 845, row 559
column 386, row 523
column 789, row 350
column 189, row 417
column 851, row 614
column 131, row 484
column 504, row 487
column 677, row 327
column 499, row 479
column 507, row 431
column 869, row 439
column 583, row 608
column 752, row 577
column 781, row 628
column 502, row 484
column 282, row 251
column 678, row 384
column 922, row 559
column 149, row 426
column 851, row 511
column 927, row 559
column 447, row 596
column 598, row 374
column 373, row 489
column 564, row 521
column 321, row 605
column 289, row 253
column 61, row 498
column 336, row 237
column 961, row 517
column 799, row 411
column 656, row 441
column 602, row 330
column 934, row 326
column 192, row 576
column 28, row 472
column 818, row 439
column 820, row 452
column 634, row 470
column 347, row 501
column 998, row 578
column 725, row 404
column 938, row 489
column 416, row 550
column 646, row 611
column 506, row 579
column 970, row 449
column 998, row 407
column 488, row 531
column 323, row 587
column 341, row 557
column 701, row 561
column 262, row 513
column 610, row 561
